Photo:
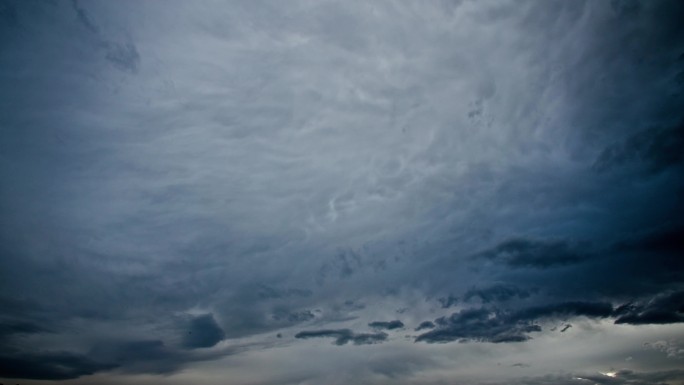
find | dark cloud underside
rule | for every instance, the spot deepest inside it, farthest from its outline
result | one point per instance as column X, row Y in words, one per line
column 343, row 336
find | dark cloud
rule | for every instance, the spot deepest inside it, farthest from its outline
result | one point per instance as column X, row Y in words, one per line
column 49, row 365
column 203, row 332
column 565, row 309
column 294, row 317
column 388, row 325
column 522, row 252
column 8, row 328
column 448, row 301
column 268, row 292
column 663, row 240
column 565, row 328
column 478, row 325
column 665, row 308
column 634, row 377
column 344, row 264
column 149, row 355
column 641, row 264
column 497, row 293
column 157, row 159
column 653, row 150
column 367, row 338
column 142, row 356
column 649, row 259
column 494, row 325
column 425, row 325
column 343, row 336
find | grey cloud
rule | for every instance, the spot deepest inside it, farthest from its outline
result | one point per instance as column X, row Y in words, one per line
column 671, row 348
column 653, row 149
column 294, row 317
column 9, row 328
column 203, row 332
column 497, row 293
column 565, row 309
column 448, row 301
column 160, row 158
column 343, row 265
column 626, row 7
column 151, row 356
column 425, row 325
column 389, row 325
column 368, row 338
column 48, row 365
column 520, row 365
column 141, row 356
column 620, row 377
column 137, row 356
column 343, row 336
column 83, row 17
column 352, row 305
column 268, row 292
column 642, row 263
column 397, row 366
column 123, row 56
column 522, row 252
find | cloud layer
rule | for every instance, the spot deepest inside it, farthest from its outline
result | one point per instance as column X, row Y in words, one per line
column 193, row 187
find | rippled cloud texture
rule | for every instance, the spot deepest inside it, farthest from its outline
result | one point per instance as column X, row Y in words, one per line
column 337, row 192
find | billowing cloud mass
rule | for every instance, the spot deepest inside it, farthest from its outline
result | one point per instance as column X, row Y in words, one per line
column 335, row 192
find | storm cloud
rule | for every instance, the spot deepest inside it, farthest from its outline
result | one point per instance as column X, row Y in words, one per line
column 196, row 191
column 48, row 366
column 478, row 325
column 388, row 325
column 203, row 332
column 496, row 293
column 662, row 309
column 343, row 336
column 496, row 325
column 533, row 253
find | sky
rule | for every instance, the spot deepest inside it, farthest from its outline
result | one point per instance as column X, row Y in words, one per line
column 336, row 192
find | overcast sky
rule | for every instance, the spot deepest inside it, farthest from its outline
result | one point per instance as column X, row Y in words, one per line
column 342, row 192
